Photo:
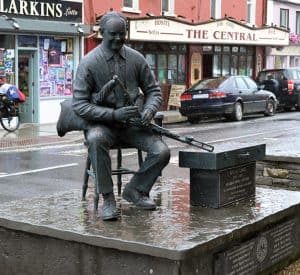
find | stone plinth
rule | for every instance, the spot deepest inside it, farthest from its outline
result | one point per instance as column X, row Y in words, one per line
column 61, row 235
column 221, row 178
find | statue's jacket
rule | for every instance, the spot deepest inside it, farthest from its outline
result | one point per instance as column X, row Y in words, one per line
column 94, row 72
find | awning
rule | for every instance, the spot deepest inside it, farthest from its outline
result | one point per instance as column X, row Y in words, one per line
column 43, row 27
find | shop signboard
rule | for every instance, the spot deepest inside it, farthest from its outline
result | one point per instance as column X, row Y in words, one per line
column 52, row 10
column 222, row 31
column 174, row 98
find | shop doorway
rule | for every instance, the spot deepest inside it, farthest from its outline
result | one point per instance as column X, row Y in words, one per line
column 27, row 80
column 207, row 67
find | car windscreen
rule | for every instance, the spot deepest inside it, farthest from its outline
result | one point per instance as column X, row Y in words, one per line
column 294, row 74
column 210, row 83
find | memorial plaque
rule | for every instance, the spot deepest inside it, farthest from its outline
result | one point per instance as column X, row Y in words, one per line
column 218, row 188
column 237, row 183
column 259, row 253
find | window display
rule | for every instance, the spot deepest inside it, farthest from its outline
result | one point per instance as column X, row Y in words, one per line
column 7, row 59
column 56, row 66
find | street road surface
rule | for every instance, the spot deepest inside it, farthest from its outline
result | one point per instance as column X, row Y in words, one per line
column 31, row 172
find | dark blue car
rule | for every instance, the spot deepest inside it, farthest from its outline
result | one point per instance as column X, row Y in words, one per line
column 228, row 96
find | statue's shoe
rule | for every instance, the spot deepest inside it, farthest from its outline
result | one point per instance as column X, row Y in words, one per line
column 109, row 208
column 140, row 199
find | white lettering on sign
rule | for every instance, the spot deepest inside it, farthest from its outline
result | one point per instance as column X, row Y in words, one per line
column 32, row 8
column 223, row 31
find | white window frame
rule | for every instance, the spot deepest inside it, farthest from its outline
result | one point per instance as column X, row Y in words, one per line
column 251, row 6
column 171, row 8
column 134, row 8
column 215, row 8
column 297, row 27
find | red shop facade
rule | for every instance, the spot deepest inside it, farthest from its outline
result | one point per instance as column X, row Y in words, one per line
column 181, row 53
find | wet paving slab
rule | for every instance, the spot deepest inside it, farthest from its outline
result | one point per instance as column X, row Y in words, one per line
column 176, row 236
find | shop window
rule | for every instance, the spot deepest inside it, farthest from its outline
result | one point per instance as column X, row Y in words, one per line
column 207, row 49
column 249, row 65
column 25, row 41
column 56, row 66
column 225, row 65
column 162, row 68
column 216, row 65
column 150, row 58
column 218, row 49
column 235, row 49
column 243, row 49
column 242, row 65
column 166, row 60
column 234, row 65
column 181, row 68
column 226, row 49
column 284, row 18
column 297, row 22
column 7, row 59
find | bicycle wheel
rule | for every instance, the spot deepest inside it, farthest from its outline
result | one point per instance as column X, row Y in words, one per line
column 10, row 123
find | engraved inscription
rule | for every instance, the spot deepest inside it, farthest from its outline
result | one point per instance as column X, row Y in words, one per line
column 260, row 252
column 237, row 183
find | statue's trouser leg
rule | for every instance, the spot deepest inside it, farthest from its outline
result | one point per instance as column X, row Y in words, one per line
column 158, row 156
column 99, row 140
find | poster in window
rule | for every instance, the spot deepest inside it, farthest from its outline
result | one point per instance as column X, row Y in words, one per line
column 52, row 74
column 54, row 57
column 68, row 89
column 60, row 74
column 59, row 88
column 45, row 88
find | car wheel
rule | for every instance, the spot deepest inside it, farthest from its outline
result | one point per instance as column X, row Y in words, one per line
column 193, row 120
column 270, row 108
column 237, row 114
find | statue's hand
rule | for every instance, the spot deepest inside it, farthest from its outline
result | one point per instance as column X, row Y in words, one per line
column 147, row 116
column 125, row 113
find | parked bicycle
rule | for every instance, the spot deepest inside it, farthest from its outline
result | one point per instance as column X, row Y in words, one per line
column 10, row 98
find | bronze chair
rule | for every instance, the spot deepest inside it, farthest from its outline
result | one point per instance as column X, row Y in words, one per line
column 119, row 171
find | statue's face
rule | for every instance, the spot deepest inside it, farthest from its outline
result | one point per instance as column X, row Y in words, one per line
column 114, row 34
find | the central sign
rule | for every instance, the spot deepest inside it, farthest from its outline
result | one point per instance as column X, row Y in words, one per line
column 222, row 31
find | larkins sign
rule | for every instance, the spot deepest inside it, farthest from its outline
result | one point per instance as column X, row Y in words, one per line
column 223, row 31
column 54, row 10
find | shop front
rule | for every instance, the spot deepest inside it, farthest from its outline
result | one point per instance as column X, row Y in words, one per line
column 180, row 52
column 40, row 48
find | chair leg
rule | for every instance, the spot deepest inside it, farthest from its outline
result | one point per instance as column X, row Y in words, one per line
column 119, row 165
column 86, row 178
column 140, row 157
column 96, row 200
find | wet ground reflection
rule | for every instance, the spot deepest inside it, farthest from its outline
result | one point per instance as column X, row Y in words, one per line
column 174, row 225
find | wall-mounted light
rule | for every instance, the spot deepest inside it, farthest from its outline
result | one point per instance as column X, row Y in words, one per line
column 14, row 22
column 150, row 14
column 78, row 28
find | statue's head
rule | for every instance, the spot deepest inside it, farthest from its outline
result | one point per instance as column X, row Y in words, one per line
column 113, row 28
